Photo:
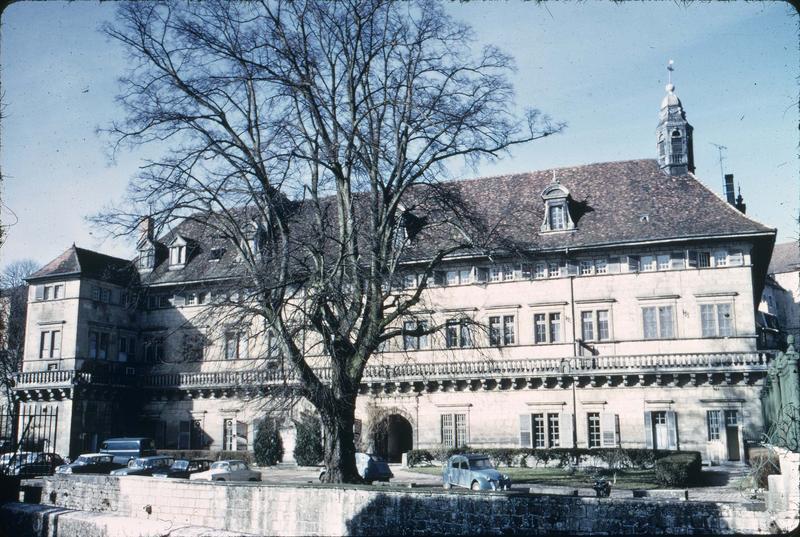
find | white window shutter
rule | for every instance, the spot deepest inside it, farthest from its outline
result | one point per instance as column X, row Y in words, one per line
column 525, row 430
column 672, row 430
column 608, row 429
column 648, row 430
column 565, row 430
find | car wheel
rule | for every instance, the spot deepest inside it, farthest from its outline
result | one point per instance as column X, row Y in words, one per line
column 446, row 485
column 321, row 476
column 476, row 485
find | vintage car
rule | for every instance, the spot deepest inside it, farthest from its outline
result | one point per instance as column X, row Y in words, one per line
column 370, row 468
column 90, row 463
column 227, row 471
column 182, row 468
column 34, row 465
column 145, row 465
column 474, row 472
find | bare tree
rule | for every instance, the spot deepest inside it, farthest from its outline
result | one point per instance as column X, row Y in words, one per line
column 315, row 138
column 13, row 315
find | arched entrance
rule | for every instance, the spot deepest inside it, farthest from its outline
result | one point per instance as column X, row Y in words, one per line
column 393, row 436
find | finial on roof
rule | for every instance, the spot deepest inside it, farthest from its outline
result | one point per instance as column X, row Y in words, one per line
column 670, row 68
column 554, row 177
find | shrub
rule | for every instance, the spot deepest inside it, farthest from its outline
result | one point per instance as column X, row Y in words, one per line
column 761, row 467
column 308, row 447
column 419, row 457
column 679, row 469
column 246, row 456
column 267, row 445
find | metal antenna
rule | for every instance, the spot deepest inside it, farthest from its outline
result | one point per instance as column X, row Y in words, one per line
column 670, row 68
column 721, row 158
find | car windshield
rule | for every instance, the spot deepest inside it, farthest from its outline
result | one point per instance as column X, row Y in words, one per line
column 180, row 465
column 84, row 460
column 480, row 464
column 218, row 465
column 139, row 463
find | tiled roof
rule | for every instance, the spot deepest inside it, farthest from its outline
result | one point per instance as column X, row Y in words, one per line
column 87, row 263
column 612, row 203
column 785, row 258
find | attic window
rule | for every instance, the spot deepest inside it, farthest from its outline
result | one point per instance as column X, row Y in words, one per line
column 177, row 254
column 216, row 254
column 147, row 258
column 556, row 215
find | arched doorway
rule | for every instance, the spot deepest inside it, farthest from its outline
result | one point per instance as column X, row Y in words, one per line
column 393, row 436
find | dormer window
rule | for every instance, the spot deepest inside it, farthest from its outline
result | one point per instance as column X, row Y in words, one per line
column 177, row 252
column 216, row 254
column 147, row 258
column 556, row 216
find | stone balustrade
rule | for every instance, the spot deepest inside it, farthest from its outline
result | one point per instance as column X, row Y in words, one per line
column 672, row 366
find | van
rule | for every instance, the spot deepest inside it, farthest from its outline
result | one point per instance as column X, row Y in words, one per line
column 125, row 449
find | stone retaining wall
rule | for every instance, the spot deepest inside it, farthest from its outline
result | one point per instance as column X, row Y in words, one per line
column 266, row 509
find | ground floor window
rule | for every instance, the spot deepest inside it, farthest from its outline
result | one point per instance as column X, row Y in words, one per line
column 454, row 430
column 542, row 429
column 594, row 437
column 714, row 419
column 661, row 429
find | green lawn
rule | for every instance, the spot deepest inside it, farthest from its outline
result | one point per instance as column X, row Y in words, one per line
column 627, row 479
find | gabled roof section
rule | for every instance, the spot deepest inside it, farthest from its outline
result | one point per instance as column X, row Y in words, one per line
column 785, row 258
column 80, row 262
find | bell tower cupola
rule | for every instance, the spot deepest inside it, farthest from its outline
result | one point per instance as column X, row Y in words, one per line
column 674, row 134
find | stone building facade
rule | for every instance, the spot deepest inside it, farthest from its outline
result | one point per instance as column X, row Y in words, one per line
column 629, row 320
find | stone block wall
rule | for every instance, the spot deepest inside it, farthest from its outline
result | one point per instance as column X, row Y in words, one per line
column 334, row 510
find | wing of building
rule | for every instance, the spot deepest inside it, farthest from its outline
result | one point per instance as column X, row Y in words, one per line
column 624, row 315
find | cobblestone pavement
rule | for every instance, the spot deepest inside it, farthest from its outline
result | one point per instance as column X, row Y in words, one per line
column 721, row 483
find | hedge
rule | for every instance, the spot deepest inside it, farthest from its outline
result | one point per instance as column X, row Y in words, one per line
column 246, row 456
column 612, row 457
column 679, row 469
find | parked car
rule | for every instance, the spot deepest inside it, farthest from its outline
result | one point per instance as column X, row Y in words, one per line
column 182, row 468
column 227, row 471
column 474, row 472
column 145, row 465
column 125, row 449
column 370, row 468
column 35, row 464
column 10, row 459
column 90, row 463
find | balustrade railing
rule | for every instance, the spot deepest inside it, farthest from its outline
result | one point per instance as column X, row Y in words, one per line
column 412, row 372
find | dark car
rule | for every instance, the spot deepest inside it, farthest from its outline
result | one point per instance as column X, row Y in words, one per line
column 370, row 467
column 145, row 465
column 35, row 464
column 182, row 468
column 90, row 463
column 126, row 449
column 473, row 472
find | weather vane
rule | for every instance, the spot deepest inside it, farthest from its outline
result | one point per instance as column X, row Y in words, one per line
column 670, row 68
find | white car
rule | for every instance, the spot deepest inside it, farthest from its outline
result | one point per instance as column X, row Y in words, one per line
column 227, row 471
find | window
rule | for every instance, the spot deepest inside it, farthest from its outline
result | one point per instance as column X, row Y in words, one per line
column 234, row 436
column 587, row 267
column 703, row 259
column 540, row 271
column 664, row 262
column 191, row 299
column 648, row 263
column 465, row 276
column 553, row 270
column 231, row 345
column 126, row 351
column 595, row 325
column 96, row 293
column 677, row 144
column 556, row 217
column 508, row 273
column 98, row 345
column 716, row 320
column 555, row 327
column 147, row 258
column 601, row 266
column 409, row 281
column 714, row 419
column 193, row 346
column 540, row 328
column 216, row 254
column 452, row 277
column 177, row 254
column 457, row 334
column 658, row 322
column 154, row 349
column 526, row 271
column 736, row 258
column 501, row 330
column 50, row 344
column 731, row 418
column 553, row 430
column 412, row 342
column 539, row 436
column 661, row 431
column 721, row 258
column 49, row 292
column 593, row 437
column 454, row 430
column 495, row 274
column 105, row 296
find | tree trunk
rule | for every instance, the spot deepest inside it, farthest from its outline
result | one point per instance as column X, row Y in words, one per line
column 340, row 451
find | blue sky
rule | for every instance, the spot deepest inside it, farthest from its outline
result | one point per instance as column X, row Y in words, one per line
column 598, row 66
